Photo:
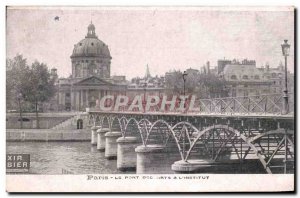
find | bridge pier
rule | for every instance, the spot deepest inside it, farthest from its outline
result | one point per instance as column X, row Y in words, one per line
column 192, row 166
column 126, row 156
column 111, row 144
column 94, row 135
column 101, row 139
column 150, row 159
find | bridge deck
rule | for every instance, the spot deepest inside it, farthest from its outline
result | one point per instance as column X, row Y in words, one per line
column 190, row 114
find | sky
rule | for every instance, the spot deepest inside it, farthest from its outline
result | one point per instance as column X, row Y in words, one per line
column 165, row 38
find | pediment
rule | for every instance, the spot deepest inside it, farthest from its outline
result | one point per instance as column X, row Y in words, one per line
column 92, row 81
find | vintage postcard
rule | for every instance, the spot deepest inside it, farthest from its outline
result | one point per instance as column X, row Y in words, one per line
column 150, row 99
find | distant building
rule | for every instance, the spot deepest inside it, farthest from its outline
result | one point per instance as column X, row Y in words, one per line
column 192, row 72
column 222, row 63
column 90, row 79
column 244, row 79
column 146, row 86
column 277, row 76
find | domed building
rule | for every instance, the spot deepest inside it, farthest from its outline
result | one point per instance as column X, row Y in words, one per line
column 90, row 57
column 90, row 79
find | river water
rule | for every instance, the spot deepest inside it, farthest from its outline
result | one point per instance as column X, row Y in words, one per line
column 82, row 158
column 59, row 157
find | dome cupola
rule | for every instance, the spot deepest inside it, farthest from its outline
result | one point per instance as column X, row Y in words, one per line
column 91, row 46
column 91, row 31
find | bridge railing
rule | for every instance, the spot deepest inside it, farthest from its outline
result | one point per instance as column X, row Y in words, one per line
column 260, row 104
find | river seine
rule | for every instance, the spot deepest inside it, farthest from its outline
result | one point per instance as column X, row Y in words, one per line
column 64, row 158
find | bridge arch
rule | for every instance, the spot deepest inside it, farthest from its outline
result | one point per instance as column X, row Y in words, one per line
column 115, row 124
column 135, row 123
column 250, row 142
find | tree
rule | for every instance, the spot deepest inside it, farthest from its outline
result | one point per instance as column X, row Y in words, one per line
column 16, row 76
column 203, row 85
column 213, row 86
column 39, row 86
column 174, row 82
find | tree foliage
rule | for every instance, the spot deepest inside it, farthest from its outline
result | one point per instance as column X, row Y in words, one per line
column 33, row 84
column 39, row 86
column 16, row 74
column 203, row 85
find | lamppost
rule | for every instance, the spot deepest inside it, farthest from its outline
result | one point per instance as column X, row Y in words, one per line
column 184, row 79
column 285, row 51
column 184, row 75
column 19, row 96
column 145, row 90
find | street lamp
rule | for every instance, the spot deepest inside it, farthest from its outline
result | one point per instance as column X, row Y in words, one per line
column 145, row 90
column 19, row 96
column 184, row 75
column 285, row 51
column 184, row 79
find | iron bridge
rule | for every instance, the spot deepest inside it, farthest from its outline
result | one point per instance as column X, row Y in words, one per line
column 222, row 129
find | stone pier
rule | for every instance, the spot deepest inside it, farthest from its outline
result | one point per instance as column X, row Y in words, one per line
column 111, row 144
column 94, row 135
column 101, row 139
column 192, row 166
column 126, row 156
column 151, row 159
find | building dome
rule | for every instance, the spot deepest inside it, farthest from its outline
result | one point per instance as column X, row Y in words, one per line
column 91, row 46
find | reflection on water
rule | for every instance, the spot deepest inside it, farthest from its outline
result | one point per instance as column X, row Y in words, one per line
column 56, row 157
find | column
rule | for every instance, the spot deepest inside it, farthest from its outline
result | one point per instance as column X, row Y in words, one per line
column 77, row 101
column 81, row 98
column 87, row 97
column 59, row 98
column 63, row 99
column 72, row 100
column 99, row 97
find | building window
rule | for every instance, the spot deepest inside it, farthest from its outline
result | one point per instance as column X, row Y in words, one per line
column 256, row 77
column 273, row 75
column 245, row 77
column 67, row 94
column 233, row 77
column 92, row 44
column 24, row 119
column 78, row 71
column 92, row 69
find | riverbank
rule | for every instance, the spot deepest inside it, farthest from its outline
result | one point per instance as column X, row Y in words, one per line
column 47, row 135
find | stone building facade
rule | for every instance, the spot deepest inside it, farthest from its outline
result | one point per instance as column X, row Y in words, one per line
column 90, row 79
column 245, row 79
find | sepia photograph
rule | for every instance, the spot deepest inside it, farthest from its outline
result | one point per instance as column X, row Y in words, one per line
column 114, row 96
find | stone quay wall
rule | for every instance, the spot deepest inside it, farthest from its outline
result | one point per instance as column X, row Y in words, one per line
column 47, row 135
